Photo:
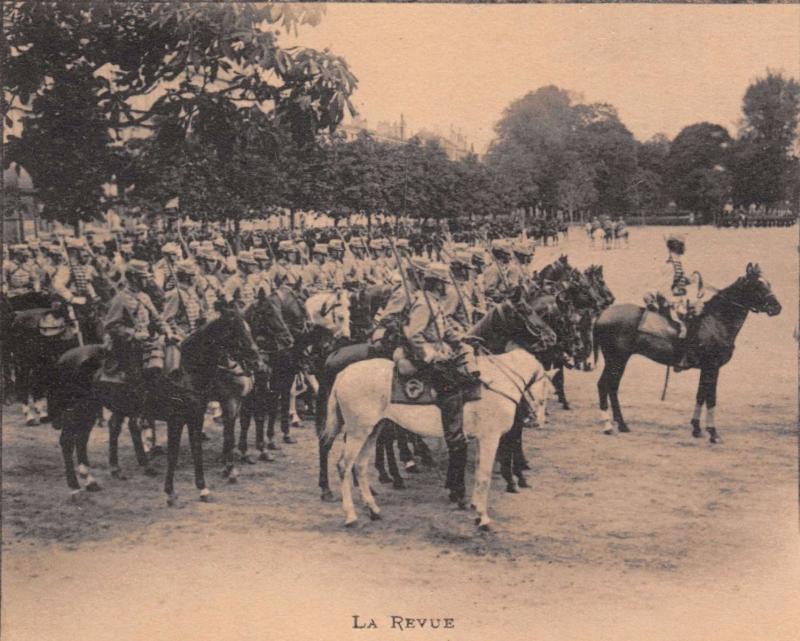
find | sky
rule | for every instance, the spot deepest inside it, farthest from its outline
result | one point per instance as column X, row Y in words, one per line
column 662, row 67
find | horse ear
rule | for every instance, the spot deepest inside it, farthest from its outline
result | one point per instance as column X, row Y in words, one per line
column 749, row 268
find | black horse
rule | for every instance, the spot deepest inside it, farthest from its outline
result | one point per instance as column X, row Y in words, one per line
column 210, row 370
column 617, row 333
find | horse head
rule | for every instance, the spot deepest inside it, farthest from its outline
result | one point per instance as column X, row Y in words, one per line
column 757, row 292
column 230, row 334
column 331, row 311
column 536, row 335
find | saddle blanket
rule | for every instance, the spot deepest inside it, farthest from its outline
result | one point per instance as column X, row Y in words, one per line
column 656, row 325
column 418, row 390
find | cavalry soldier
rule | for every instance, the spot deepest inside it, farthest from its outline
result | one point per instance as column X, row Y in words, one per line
column 524, row 255
column 241, row 286
column 498, row 278
column 73, row 281
column 264, row 271
column 164, row 269
column 683, row 296
column 317, row 275
column 208, row 281
column 435, row 339
column 184, row 310
column 399, row 305
column 134, row 326
column 459, row 305
column 21, row 274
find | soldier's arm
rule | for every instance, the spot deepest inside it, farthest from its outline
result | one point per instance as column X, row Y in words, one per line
column 117, row 320
column 61, row 282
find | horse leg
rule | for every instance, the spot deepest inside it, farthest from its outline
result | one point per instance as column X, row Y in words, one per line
column 285, row 404
column 602, row 392
column 390, row 432
column 195, row 427
column 260, row 417
column 616, row 379
column 245, row 415
column 228, row 438
column 406, row 456
column 352, row 448
column 294, row 417
column 380, row 451
column 114, row 429
column 67, row 443
column 138, row 446
column 504, row 454
column 272, row 404
column 362, row 460
column 174, row 432
column 487, row 448
column 558, row 383
column 82, row 443
column 700, row 400
column 711, row 404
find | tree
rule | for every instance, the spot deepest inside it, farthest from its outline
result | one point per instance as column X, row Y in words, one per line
column 698, row 173
column 198, row 68
column 764, row 162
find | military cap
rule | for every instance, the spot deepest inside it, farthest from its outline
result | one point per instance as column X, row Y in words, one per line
column 246, row 257
column 336, row 245
column 438, row 271
column 676, row 244
column 287, row 246
column 219, row 242
column 357, row 241
column 76, row 243
column 320, row 248
column 260, row 254
column 137, row 267
column 523, row 250
column 376, row 243
column 185, row 267
column 171, row 248
column 402, row 243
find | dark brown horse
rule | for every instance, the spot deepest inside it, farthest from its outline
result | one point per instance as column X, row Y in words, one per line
column 617, row 333
column 180, row 398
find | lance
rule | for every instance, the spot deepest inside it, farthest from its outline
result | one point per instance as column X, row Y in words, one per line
column 183, row 241
column 400, row 268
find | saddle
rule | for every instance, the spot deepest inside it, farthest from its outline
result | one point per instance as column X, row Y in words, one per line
column 412, row 384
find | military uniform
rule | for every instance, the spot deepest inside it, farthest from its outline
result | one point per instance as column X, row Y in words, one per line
column 21, row 275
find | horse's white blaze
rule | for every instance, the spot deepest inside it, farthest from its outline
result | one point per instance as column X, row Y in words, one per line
column 361, row 397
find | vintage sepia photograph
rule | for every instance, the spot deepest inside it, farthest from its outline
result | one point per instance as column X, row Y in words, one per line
column 375, row 322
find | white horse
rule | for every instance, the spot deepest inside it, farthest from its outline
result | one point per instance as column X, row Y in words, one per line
column 360, row 399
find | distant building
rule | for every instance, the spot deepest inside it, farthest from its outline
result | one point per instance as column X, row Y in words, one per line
column 20, row 205
column 454, row 143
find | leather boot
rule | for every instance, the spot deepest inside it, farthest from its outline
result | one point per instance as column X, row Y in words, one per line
column 452, row 407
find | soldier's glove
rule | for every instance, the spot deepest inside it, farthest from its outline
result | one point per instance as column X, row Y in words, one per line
column 78, row 300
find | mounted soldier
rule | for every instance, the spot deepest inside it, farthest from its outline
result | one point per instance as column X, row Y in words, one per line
column 208, row 283
column 164, row 269
column 241, row 286
column 499, row 279
column 184, row 310
column 135, row 329
column 436, row 341
column 21, row 274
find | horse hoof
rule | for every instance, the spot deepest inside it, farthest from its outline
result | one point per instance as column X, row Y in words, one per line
column 248, row 459
column 384, row 478
column 94, row 486
column 77, row 497
column 31, row 422
column 374, row 516
column 205, row 495
column 327, row 497
column 522, row 482
column 713, row 437
column 172, row 500
column 351, row 522
column 566, row 406
column 150, row 471
column 608, row 430
column 399, row 484
column 511, row 488
column 484, row 527
column 623, row 428
column 118, row 474
column 526, row 466
column 266, row 456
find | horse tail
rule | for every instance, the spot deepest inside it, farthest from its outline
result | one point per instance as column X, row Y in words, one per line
column 333, row 421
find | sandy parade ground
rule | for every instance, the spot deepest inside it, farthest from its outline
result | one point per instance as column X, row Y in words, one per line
column 649, row 535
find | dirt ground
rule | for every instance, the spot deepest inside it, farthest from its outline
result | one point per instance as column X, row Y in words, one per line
column 650, row 535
